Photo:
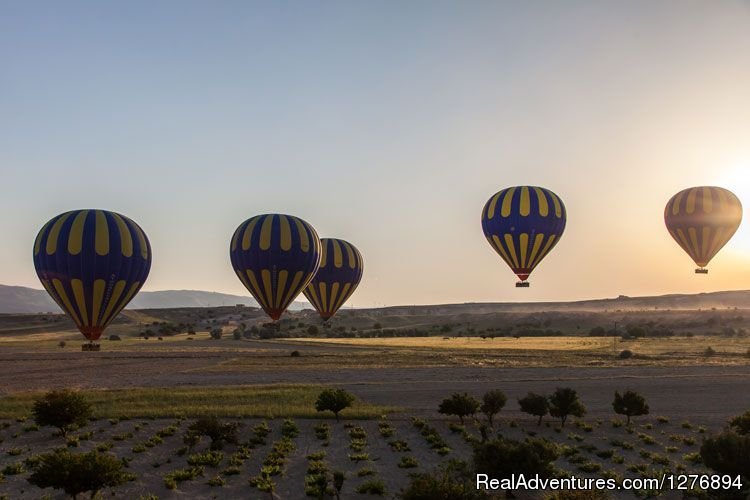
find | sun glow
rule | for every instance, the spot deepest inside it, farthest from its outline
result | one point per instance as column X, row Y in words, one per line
column 737, row 179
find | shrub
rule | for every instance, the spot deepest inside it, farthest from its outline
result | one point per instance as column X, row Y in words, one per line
column 492, row 403
column 728, row 453
column 407, row 462
column 626, row 354
column 533, row 456
column 334, row 400
column 62, row 409
column 114, row 337
column 460, row 405
column 295, row 354
column 76, row 473
column 219, row 432
column 372, row 487
column 453, row 480
column 289, row 428
column 741, row 423
column 709, row 352
column 211, row 458
column 534, row 404
column 630, row 404
column 564, row 402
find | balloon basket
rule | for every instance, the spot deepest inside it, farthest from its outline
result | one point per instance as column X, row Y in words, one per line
column 91, row 347
column 701, row 270
column 522, row 284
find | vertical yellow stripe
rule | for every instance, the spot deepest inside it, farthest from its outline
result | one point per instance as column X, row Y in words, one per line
column 281, row 286
column 537, row 244
column 718, row 241
column 235, row 238
column 493, row 204
column 102, row 234
column 338, row 259
column 342, row 298
column 258, row 292
column 500, row 249
column 116, row 292
column 549, row 244
column 351, row 257
column 511, row 249
column 75, row 238
column 707, row 200
column 77, row 286
column 265, row 232
column 507, row 202
column 294, row 288
column 54, row 233
column 265, row 276
column 124, row 302
column 705, row 239
column 694, row 241
column 324, row 253
column 96, row 304
column 523, row 242
column 53, row 294
column 677, row 200
column 542, row 200
column 248, row 234
column 126, row 240
column 323, row 296
column 38, row 242
column 304, row 241
column 312, row 295
column 66, row 301
column 286, row 233
column 141, row 239
column 332, row 298
column 685, row 244
column 525, row 205
column 722, row 195
column 556, row 203
column 690, row 208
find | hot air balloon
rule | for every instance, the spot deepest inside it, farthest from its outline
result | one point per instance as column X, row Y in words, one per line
column 523, row 223
column 275, row 256
column 92, row 263
column 338, row 276
column 702, row 220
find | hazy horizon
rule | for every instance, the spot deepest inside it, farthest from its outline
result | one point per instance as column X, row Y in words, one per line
column 385, row 124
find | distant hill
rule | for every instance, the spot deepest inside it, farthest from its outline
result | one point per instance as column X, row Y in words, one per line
column 19, row 299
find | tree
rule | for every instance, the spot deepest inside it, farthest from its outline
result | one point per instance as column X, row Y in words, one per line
column 728, row 453
column 530, row 457
column 219, row 432
column 492, row 403
column 741, row 423
column 312, row 330
column 334, row 400
column 216, row 333
column 63, row 409
column 76, row 473
column 461, row 405
column 564, row 402
column 534, row 404
column 630, row 404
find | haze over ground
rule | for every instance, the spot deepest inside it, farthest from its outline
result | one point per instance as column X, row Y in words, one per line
column 385, row 124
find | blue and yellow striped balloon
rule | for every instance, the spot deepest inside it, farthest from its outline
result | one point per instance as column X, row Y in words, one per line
column 702, row 220
column 522, row 224
column 92, row 263
column 339, row 274
column 275, row 256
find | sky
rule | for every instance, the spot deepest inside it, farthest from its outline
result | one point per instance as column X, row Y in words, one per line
column 385, row 123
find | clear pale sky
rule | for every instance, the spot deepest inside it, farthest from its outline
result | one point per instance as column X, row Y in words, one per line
column 385, row 123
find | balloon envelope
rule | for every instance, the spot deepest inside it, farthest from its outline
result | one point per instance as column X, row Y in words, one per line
column 339, row 274
column 92, row 263
column 522, row 224
column 275, row 256
column 702, row 220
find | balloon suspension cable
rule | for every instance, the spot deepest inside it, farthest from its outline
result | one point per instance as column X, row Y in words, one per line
column 522, row 284
column 701, row 270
